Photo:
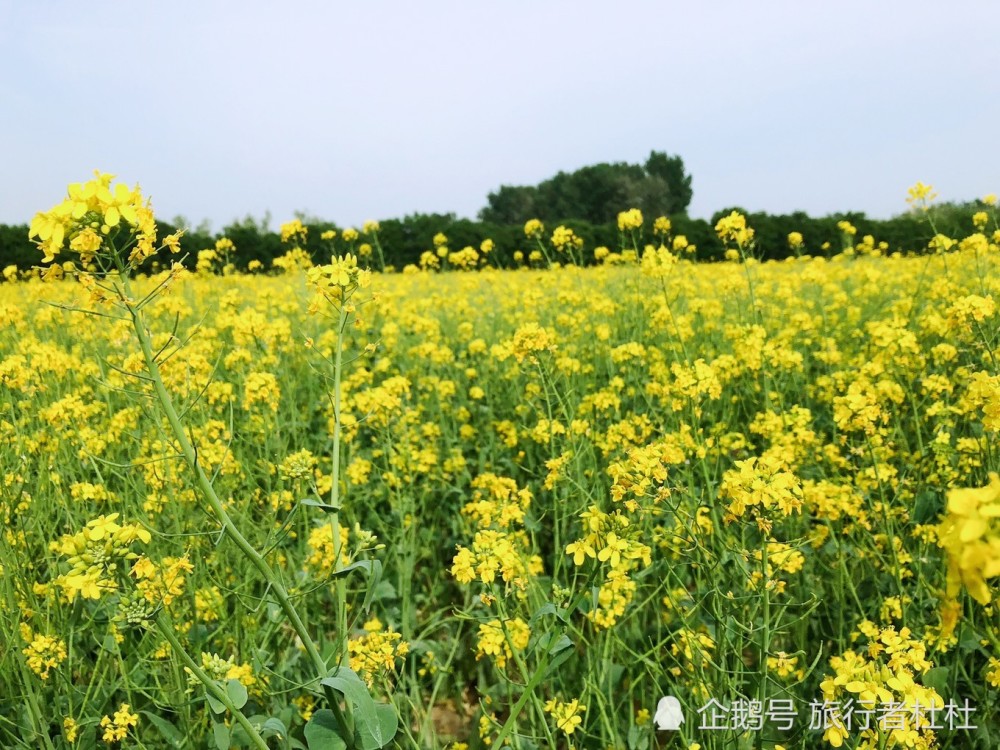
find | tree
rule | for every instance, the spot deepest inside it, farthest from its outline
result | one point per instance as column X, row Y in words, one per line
column 509, row 204
column 596, row 193
column 677, row 183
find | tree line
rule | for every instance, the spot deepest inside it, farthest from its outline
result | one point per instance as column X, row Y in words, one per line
column 404, row 240
column 587, row 201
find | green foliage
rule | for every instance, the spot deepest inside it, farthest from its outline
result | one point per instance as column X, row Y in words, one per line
column 16, row 249
column 596, row 193
column 598, row 199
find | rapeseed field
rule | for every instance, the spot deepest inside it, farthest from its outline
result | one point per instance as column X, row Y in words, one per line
column 647, row 503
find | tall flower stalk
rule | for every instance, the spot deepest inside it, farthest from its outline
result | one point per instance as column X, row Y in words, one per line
column 114, row 232
column 335, row 285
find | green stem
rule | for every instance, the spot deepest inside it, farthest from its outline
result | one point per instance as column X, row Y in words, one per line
column 167, row 631
column 526, row 695
column 523, row 670
column 673, row 322
column 208, row 491
column 545, row 252
column 38, row 724
column 341, row 587
column 381, row 255
column 765, row 634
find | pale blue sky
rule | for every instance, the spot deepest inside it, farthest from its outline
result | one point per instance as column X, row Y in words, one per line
column 365, row 110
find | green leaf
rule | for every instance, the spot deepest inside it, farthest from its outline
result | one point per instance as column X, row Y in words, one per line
column 368, row 565
column 26, row 724
column 984, row 737
column 371, row 723
column 374, row 568
column 275, row 725
column 558, row 657
column 636, row 740
column 322, row 732
column 969, row 640
column 613, row 671
column 559, row 644
column 168, row 730
column 325, row 507
column 387, row 723
column 221, row 734
column 374, row 576
column 213, row 703
column 346, row 682
column 547, row 609
column 927, row 507
column 937, row 679
column 385, row 591
column 238, row 736
column 237, row 693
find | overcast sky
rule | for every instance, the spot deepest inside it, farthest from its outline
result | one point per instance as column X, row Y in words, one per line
column 355, row 110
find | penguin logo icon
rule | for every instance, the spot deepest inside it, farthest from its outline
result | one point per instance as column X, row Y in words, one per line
column 669, row 715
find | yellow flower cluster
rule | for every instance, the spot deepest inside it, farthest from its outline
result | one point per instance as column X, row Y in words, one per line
column 497, row 501
column 612, row 539
column 984, row 393
column 885, row 674
column 321, row 549
column 567, row 716
column 495, row 553
column 970, row 534
column 500, row 546
column 261, row 388
column 429, row 260
column 206, row 260
column 209, row 604
column 629, row 221
column 298, row 465
column 847, row 228
column 466, row 259
column 920, row 195
column 692, row 650
column 971, row 310
column 90, row 212
column 529, row 340
column 565, row 240
column 338, row 278
column 116, row 729
column 294, row 260
column 733, row 228
column 376, row 652
column 761, row 487
column 94, row 555
column 533, row 229
column 43, row 652
column 498, row 640
column 658, row 262
column 785, row 665
column 161, row 583
column 782, row 558
column 294, row 232
column 642, row 477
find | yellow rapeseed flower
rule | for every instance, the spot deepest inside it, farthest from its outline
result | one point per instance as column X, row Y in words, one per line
column 970, row 534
